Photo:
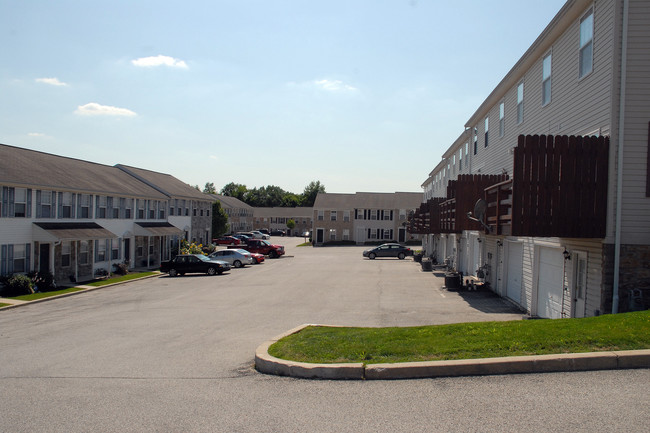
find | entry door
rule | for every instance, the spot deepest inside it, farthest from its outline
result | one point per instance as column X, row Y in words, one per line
column 320, row 234
column 44, row 258
column 550, row 283
column 579, row 291
column 127, row 250
column 514, row 270
column 401, row 235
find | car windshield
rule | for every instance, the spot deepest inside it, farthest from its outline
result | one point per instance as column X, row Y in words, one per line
column 265, row 243
column 203, row 258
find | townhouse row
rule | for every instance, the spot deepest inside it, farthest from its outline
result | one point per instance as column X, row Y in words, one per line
column 364, row 217
column 77, row 219
column 546, row 192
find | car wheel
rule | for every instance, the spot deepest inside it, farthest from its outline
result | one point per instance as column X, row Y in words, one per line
column 273, row 254
column 372, row 256
column 237, row 264
column 211, row 271
column 173, row 273
column 401, row 256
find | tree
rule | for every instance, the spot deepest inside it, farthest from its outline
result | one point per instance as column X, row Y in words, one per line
column 236, row 190
column 310, row 193
column 209, row 188
column 219, row 220
column 291, row 224
column 291, row 200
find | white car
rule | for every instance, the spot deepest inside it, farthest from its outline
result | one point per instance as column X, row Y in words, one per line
column 238, row 258
column 260, row 235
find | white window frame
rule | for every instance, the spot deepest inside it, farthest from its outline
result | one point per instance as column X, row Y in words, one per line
column 346, row 216
column 321, row 215
column 66, row 254
column 520, row 103
column 502, row 118
column 586, row 44
column 333, row 215
column 83, row 252
column 487, row 128
column 547, row 68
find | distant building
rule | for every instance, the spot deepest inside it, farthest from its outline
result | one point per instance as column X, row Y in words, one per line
column 363, row 217
column 276, row 218
column 240, row 215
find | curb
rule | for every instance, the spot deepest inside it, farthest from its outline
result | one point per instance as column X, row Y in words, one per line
column 86, row 289
column 265, row 363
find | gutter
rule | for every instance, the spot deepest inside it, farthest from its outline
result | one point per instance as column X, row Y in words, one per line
column 619, row 161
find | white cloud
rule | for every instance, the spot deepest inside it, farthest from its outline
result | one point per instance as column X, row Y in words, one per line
column 214, row 157
column 51, row 81
column 334, row 86
column 38, row 135
column 95, row 109
column 159, row 60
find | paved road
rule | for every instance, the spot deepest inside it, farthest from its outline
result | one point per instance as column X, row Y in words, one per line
column 175, row 354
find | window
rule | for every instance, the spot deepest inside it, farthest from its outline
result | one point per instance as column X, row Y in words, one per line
column 128, row 208
column 402, row 214
column 460, row 159
column 44, row 204
column 66, row 205
column 487, row 122
column 475, row 142
column 83, row 253
column 333, row 215
column 152, row 205
column 321, row 215
column 466, row 153
column 373, row 214
column 113, row 209
column 65, row 254
column 346, row 216
column 100, row 250
column 586, row 44
column 502, row 119
column 332, row 234
column 84, row 206
column 14, row 258
column 546, row 80
column 115, row 249
column 346, row 234
column 140, row 204
column 20, row 258
column 387, row 215
column 387, row 234
column 101, row 206
column 520, row 103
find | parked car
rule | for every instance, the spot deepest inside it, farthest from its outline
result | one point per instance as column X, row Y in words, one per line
column 193, row 263
column 235, row 257
column 388, row 250
column 257, row 257
column 262, row 247
column 227, row 240
column 242, row 238
column 278, row 232
column 264, row 231
column 259, row 235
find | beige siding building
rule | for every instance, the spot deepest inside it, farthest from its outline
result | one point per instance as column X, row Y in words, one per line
column 586, row 75
column 276, row 218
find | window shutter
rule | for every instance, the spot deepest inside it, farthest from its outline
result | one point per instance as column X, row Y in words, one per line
column 391, row 215
column 60, row 206
column 3, row 260
column 391, row 234
column 53, row 207
column 29, row 204
column 10, row 259
column 97, row 206
column 28, row 251
column 96, row 250
column 39, row 210
column 5, row 200
column 369, row 234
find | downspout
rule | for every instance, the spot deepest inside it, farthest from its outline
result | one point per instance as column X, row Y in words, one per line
column 619, row 162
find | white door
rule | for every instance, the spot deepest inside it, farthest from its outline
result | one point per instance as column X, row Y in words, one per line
column 514, row 270
column 579, row 286
column 361, row 235
column 475, row 254
column 550, row 283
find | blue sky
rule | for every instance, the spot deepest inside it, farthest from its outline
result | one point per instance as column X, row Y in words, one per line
column 363, row 95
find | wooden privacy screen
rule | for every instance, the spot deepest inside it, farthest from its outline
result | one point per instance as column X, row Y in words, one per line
column 559, row 186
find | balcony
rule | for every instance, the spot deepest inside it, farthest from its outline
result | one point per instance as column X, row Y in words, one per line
column 558, row 189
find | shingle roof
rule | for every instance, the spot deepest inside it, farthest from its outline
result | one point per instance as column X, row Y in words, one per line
column 231, row 202
column 30, row 168
column 165, row 183
column 369, row 200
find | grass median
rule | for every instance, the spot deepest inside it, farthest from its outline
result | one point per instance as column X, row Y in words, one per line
column 321, row 344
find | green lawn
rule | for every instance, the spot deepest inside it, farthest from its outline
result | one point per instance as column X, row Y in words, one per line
column 40, row 295
column 3, row 305
column 466, row 340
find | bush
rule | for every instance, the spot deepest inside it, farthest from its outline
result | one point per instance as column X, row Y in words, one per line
column 17, row 285
column 121, row 268
column 42, row 281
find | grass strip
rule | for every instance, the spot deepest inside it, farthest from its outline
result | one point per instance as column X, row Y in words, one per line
column 319, row 344
column 4, row 305
column 41, row 295
column 119, row 279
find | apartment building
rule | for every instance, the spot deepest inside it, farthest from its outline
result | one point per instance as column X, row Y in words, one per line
column 240, row 214
column 363, row 217
column 554, row 166
column 276, row 218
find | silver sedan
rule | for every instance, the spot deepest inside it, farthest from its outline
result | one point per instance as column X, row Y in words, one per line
column 236, row 257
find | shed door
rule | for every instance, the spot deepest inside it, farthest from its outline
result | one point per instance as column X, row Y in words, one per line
column 514, row 271
column 549, row 283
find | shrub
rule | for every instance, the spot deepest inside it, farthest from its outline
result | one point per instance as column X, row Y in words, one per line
column 193, row 248
column 17, row 285
column 121, row 268
column 42, row 281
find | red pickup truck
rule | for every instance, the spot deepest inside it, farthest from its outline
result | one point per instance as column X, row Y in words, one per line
column 261, row 247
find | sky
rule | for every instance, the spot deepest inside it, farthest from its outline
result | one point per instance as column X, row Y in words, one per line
column 361, row 95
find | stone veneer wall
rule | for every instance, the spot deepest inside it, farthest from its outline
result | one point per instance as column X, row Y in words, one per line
column 634, row 274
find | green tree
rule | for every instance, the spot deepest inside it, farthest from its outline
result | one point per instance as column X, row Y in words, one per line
column 291, row 224
column 209, row 188
column 219, row 220
column 236, row 190
column 291, row 200
column 310, row 193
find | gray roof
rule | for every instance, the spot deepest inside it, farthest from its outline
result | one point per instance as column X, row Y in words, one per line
column 165, row 183
column 369, row 200
column 231, row 202
column 39, row 170
column 303, row 212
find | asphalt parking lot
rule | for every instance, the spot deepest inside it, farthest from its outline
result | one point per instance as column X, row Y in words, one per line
column 176, row 354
